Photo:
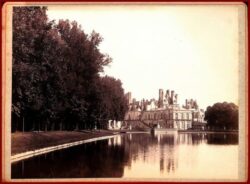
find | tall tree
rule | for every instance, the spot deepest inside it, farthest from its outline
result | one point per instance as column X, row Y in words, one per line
column 112, row 104
column 222, row 116
column 29, row 26
column 56, row 75
column 85, row 63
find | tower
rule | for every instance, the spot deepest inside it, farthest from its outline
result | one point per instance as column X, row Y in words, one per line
column 128, row 98
column 167, row 96
column 172, row 97
column 161, row 95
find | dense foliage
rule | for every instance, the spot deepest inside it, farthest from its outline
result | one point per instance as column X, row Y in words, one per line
column 222, row 116
column 56, row 81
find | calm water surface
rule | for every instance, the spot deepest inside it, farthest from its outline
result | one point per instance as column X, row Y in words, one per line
column 183, row 155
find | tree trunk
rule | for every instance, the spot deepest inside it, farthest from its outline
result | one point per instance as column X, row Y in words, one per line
column 33, row 126
column 52, row 126
column 60, row 126
column 46, row 126
column 23, row 124
column 77, row 126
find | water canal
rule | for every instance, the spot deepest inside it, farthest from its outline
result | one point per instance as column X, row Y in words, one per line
column 183, row 155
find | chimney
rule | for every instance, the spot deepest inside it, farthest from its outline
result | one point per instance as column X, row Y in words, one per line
column 192, row 103
column 172, row 94
column 167, row 92
column 176, row 98
column 161, row 94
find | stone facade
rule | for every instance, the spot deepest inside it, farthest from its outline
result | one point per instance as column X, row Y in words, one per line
column 114, row 125
column 165, row 113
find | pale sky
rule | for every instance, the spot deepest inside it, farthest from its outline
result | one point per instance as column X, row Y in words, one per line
column 191, row 49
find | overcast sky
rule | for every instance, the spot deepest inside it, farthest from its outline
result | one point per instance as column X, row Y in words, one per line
column 190, row 49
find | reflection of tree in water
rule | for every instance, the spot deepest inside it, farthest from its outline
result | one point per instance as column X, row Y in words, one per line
column 209, row 138
column 97, row 159
column 223, row 138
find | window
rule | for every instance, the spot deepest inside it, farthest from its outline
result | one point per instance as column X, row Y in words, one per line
column 176, row 115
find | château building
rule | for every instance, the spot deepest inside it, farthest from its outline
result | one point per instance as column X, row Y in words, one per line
column 164, row 113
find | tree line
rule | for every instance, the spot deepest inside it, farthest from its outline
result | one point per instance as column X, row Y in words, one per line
column 56, row 81
column 222, row 116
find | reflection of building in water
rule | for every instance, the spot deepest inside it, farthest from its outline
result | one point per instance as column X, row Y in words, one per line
column 191, row 139
column 115, row 141
column 157, row 152
column 170, row 145
column 168, row 153
column 164, row 113
column 170, row 138
column 130, row 137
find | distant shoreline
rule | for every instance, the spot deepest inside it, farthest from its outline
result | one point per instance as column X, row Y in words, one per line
column 207, row 131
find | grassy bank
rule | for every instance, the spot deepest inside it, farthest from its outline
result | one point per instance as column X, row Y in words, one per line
column 28, row 141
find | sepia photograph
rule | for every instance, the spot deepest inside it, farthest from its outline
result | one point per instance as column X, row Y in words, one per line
column 124, row 92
